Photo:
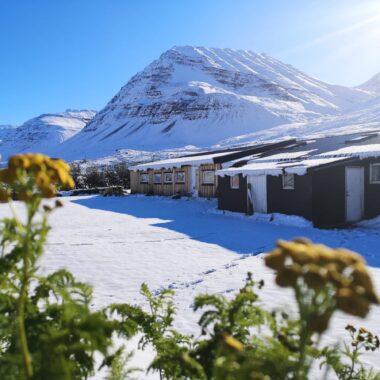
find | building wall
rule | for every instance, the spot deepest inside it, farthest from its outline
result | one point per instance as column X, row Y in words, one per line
column 290, row 202
column 207, row 190
column 372, row 192
column 232, row 199
column 161, row 188
column 329, row 196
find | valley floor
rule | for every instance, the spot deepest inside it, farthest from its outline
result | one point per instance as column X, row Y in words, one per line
column 115, row 244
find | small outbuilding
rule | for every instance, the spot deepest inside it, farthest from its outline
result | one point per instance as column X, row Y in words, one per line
column 329, row 188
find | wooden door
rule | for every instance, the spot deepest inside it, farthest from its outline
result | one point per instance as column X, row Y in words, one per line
column 257, row 192
column 354, row 193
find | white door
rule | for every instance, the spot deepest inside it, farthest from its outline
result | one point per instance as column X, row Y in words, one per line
column 354, row 193
column 258, row 193
column 194, row 181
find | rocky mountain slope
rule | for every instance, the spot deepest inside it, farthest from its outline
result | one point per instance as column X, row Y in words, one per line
column 43, row 133
column 200, row 96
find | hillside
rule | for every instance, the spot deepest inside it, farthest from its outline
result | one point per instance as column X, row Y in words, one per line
column 43, row 133
column 200, row 96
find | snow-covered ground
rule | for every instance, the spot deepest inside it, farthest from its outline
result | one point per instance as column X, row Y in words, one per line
column 115, row 244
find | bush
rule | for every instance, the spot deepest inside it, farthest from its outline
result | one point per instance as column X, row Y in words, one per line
column 47, row 328
column 92, row 176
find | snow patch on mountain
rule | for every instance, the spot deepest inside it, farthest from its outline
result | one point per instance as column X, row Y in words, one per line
column 43, row 133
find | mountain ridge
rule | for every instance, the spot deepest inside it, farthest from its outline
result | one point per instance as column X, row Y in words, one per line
column 205, row 97
column 199, row 96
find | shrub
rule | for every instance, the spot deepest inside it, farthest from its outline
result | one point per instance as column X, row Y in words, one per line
column 47, row 329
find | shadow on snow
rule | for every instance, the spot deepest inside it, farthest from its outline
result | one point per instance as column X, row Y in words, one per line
column 199, row 220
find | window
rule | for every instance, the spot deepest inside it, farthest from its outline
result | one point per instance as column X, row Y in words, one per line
column 288, row 181
column 144, row 178
column 235, row 182
column 157, row 178
column 180, row 177
column 168, row 177
column 374, row 176
column 208, row 177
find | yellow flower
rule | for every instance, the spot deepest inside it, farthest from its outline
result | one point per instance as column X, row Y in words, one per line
column 42, row 180
column 24, row 195
column 275, row 259
column 315, row 277
column 346, row 257
column 48, row 191
column 319, row 323
column 19, row 161
column 351, row 303
column 8, row 176
column 233, row 343
column 4, row 196
column 288, row 276
column 361, row 277
column 46, row 172
column 336, row 277
column 301, row 254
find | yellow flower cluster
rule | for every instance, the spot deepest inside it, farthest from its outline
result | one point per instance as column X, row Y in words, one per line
column 46, row 173
column 316, row 266
column 233, row 343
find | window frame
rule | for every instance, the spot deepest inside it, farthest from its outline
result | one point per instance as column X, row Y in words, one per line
column 232, row 185
column 203, row 178
column 184, row 176
column 371, row 181
column 147, row 178
column 287, row 187
column 171, row 174
column 154, row 178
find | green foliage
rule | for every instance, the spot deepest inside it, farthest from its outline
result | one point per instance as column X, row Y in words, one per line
column 345, row 362
column 92, row 176
column 118, row 365
column 47, row 328
column 239, row 340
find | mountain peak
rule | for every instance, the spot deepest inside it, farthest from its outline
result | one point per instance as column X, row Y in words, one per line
column 372, row 84
column 193, row 95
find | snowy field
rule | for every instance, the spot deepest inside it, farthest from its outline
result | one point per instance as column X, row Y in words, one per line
column 115, row 244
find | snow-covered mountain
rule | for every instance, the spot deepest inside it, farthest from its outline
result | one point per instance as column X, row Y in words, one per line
column 366, row 118
column 43, row 133
column 200, row 96
column 372, row 85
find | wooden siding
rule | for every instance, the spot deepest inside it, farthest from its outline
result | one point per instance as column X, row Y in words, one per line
column 162, row 188
column 208, row 190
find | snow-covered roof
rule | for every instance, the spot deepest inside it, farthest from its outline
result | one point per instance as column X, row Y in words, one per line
column 259, row 167
column 360, row 151
column 181, row 161
column 286, row 156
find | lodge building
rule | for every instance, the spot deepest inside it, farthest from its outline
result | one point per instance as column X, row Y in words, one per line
column 331, row 181
column 192, row 175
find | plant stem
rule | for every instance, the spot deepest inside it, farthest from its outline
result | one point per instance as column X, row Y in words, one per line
column 304, row 334
column 353, row 361
column 27, row 360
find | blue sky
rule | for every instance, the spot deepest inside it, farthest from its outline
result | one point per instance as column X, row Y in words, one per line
column 59, row 54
